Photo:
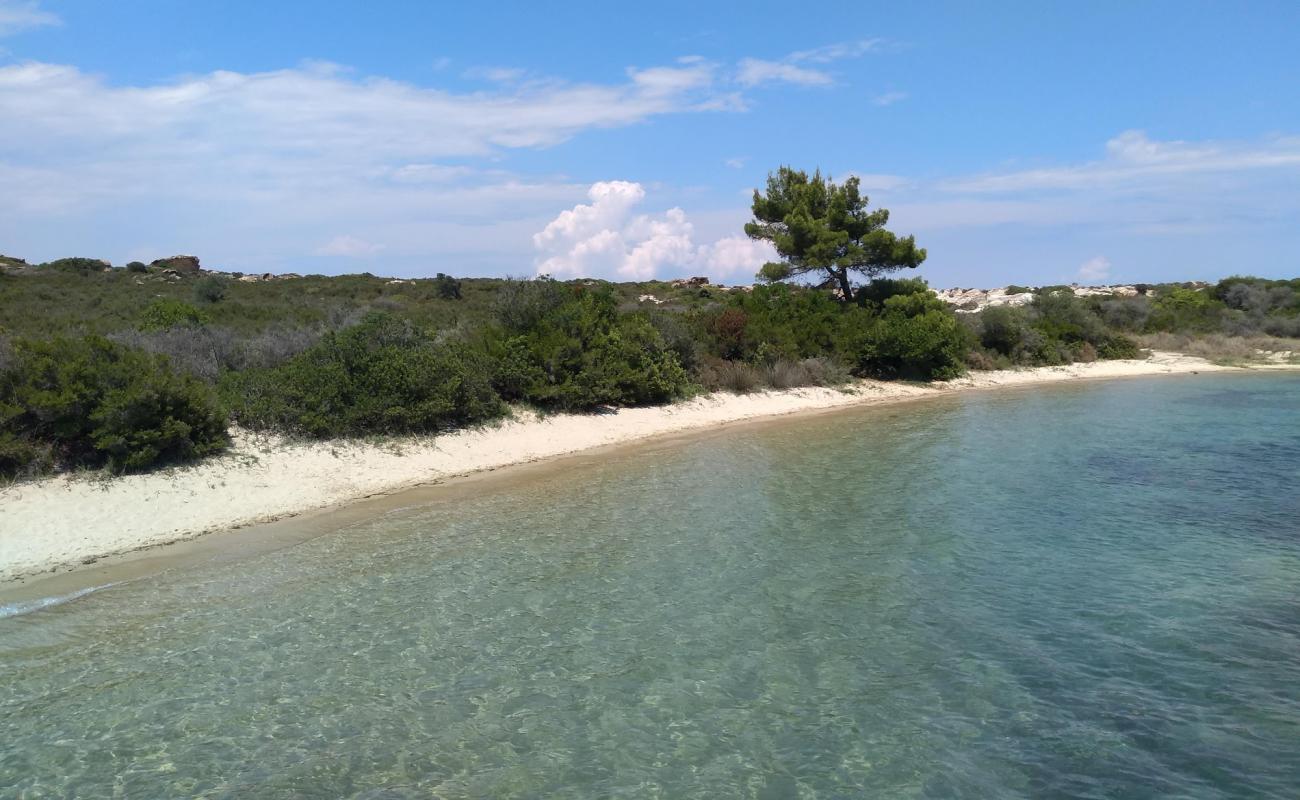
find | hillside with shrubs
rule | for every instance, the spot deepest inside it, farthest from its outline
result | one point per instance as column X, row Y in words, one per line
column 111, row 368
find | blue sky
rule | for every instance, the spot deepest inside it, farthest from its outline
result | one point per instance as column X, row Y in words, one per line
column 1024, row 142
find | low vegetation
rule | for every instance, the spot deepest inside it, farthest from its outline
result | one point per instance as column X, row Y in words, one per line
column 129, row 368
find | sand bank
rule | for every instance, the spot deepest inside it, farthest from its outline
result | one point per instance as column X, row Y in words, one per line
column 68, row 520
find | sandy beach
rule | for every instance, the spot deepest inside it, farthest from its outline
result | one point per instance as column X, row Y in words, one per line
column 66, row 521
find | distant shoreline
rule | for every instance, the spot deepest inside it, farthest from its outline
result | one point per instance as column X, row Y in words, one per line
column 65, row 522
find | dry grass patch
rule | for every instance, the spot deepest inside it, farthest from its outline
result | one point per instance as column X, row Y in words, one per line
column 1223, row 349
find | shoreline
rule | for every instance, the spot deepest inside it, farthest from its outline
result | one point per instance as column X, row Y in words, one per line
column 65, row 523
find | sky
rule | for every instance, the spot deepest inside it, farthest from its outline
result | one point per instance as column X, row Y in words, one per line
column 1020, row 142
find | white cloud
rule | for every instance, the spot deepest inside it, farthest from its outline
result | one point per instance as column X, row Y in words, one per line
column 736, row 163
column 735, row 255
column 495, row 74
column 302, row 153
column 752, row 72
column 318, row 110
column 877, row 182
column 604, row 239
column 430, row 173
column 1132, row 158
column 349, row 247
column 840, row 50
column 755, row 72
column 889, row 98
column 17, row 16
column 1095, row 269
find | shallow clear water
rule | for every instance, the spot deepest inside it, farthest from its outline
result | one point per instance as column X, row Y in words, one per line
column 1087, row 591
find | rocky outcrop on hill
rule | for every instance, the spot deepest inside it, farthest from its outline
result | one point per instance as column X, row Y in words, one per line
column 181, row 264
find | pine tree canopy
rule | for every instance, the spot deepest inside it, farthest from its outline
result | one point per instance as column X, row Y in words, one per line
column 819, row 226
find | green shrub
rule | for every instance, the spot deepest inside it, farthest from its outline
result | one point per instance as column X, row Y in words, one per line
column 166, row 313
column 209, row 289
column 874, row 294
column 447, row 287
column 383, row 376
column 1002, row 329
column 520, row 305
column 93, row 403
column 1180, row 309
column 136, row 266
column 1014, row 289
column 1118, row 346
column 915, row 336
column 77, row 266
column 582, row 353
column 1062, row 317
column 1126, row 313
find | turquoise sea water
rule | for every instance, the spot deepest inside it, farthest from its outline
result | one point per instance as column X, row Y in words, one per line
column 1083, row 591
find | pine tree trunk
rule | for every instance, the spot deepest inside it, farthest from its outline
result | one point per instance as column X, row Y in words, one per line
column 846, row 288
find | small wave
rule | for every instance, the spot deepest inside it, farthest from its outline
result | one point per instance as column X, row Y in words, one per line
column 28, row 606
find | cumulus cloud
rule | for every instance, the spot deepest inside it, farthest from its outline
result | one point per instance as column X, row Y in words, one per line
column 604, row 238
column 17, row 16
column 1095, row 269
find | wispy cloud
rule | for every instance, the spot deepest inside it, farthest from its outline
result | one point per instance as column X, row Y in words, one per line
column 1132, row 158
column 889, row 98
column 1095, row 269
column 495, row 74
column 794, row 69
column 1176, row 208
column 349, row 246
column 321, row 109
column 19, row 15
column 837, row 51
column 755, row 72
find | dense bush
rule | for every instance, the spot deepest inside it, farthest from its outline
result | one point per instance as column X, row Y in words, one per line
column 1056, row 328
column 1192, row 310
column 382, row 376
column 163, row 314
column 92, row 403
column 448, row 288
column 579, row 352
column 77, row 266
column 210, row 289
column 914, row 336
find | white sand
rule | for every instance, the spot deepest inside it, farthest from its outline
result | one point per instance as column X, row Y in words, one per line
column 64, row 521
